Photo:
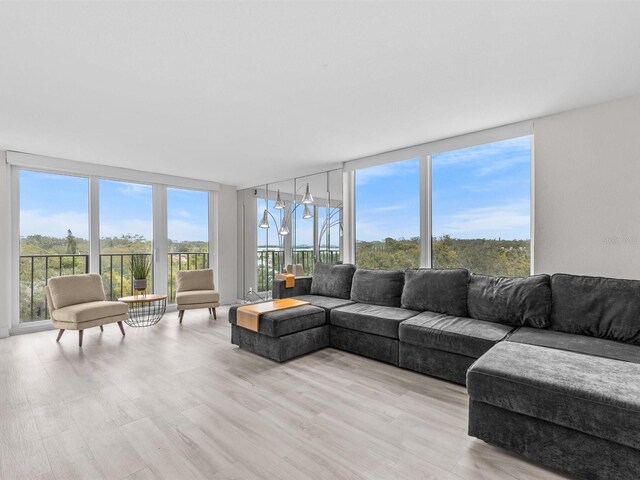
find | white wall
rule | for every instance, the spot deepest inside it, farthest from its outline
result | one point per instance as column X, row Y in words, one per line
column 227, row 241
column 5, row 248
column 587, row 191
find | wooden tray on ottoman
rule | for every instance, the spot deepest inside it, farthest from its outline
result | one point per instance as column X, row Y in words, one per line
column 249, row 315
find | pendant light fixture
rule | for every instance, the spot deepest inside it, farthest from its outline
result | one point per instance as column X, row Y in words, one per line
column 279, row 205
column 307, row 196
column 264, row 223
column 306, row 213
column 284, row 230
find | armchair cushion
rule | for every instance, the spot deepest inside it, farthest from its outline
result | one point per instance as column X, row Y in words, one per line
column 197, row 297
column 190, row 280
column 88, row 312
column 75, row 289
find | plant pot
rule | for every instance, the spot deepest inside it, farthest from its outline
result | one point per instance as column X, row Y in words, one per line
column 140, row 284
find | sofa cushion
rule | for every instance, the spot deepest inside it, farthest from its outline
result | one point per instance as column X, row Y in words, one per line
column 600, row 307
column 377, row 287
column 87, row 312
column 287, row 321
column 577, row 343
column 75, row 289
column 193, row 297
column 326, row 303
column 464, row 336
column 442, row 291
column 510, row 300
column 332, row 280
column 375, row 319
column 594, row 395
column 189, row 280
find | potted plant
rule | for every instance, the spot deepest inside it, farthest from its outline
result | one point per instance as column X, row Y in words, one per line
column 140, row 268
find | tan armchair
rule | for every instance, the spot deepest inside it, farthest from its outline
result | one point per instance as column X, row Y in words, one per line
column 195, row 289
column 297, row 270
column 78, row 302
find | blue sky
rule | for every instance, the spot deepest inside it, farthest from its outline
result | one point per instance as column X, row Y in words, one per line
column 50, row 204
column 478, row 192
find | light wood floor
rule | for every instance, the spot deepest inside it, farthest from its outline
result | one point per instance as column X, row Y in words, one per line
column 181, row 402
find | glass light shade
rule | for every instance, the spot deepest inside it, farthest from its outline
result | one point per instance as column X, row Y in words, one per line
column 307, row 196
column 306, row 213
column 284, row 230
column 279, row 205
column 264, row 223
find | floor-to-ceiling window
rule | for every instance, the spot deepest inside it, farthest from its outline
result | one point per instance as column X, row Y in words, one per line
column 387, row 215
column 481, row 208
column 54, row 235
column 71, row 224
column 187, row 232
column 126, row 229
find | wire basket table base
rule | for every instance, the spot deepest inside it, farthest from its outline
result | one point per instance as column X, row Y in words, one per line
column 145, row 310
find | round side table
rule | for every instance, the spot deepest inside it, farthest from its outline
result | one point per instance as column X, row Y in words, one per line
column 145, row 310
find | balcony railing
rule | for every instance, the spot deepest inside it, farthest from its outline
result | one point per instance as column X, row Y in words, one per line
column 305, row 257
column 270, row 261
column 269, row 264
column 116, row 276
column 36, row 270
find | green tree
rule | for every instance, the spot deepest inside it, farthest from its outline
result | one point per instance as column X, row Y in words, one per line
column 72, row 247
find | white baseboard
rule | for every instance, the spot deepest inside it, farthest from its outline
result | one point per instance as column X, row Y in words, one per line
column 32, row 327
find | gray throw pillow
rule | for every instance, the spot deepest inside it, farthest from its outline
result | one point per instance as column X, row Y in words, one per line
column 596, row 306
column 434, row 290
column 332, row 280
column 377, row 287
column 510, row 300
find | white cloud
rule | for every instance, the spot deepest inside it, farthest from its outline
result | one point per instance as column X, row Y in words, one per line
column 388, row 208
column 488, row 158
column 180, row 230
column 134, row 189
column 38, row 222
column 509, row 221
column 365, row 175
column 124, row 227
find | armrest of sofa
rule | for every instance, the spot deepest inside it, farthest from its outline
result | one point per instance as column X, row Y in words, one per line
column 301, row 287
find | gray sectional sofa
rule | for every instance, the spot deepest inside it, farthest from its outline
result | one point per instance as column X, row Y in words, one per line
column 551, row 364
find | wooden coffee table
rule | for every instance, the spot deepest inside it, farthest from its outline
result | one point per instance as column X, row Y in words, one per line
column 249, row 315
column 145, row 310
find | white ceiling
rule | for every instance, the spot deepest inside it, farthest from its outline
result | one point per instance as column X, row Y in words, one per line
column 242, row 93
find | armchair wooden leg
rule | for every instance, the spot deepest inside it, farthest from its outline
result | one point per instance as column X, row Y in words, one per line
column 121, row 328
column 214, row 314
column 80, row 333
column 60, row 334
column 180, row 315
column 101, row 328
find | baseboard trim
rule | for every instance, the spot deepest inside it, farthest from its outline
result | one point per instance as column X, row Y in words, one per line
column 31, row 327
